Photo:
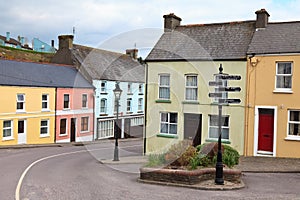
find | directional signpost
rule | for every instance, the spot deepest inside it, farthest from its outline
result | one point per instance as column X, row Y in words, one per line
column 221, row 89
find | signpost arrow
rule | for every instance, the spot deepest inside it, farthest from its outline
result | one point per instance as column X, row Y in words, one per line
column 229, row 89
column 215, row 83
column 229, row 101
column 215, row 94
column 230, row 77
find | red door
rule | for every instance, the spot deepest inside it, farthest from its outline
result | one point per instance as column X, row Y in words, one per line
column 266, row 130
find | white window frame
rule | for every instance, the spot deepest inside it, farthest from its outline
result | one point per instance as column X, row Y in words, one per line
column 140, row 88
column 11, row 128
column 84, row 102
column 284, row 75
column 292, row 136
column 46, row 102
column 105, row 129
column 217, row 127
column 168, row 123
column 42, row 127
column 68, row 95
column 129, row 105
column 22, row 102
column 129, row 88
column 82, row 125
column 191, row 87
column 164, row 86
column 140, row 104
column 103, row 87
column 66, row 133
column 103, row 109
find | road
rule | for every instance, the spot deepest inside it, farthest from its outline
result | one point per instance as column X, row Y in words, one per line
column 74, row 172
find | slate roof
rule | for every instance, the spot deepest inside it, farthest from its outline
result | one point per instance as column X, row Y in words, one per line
column 100, row 64
column 276, row 38
column 14, row 73
column 218, row 41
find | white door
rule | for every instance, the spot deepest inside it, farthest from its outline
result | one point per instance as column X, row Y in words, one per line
column 22, row 131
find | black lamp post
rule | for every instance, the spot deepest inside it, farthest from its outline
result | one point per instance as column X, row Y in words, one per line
column 117, row 93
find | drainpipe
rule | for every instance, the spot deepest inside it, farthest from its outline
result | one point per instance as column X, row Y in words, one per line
column 55, row 115
column 145, row 104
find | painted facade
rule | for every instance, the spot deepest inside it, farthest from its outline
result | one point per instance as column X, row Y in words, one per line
column 74, row 114
column 202, row 107
column 41, row 46
column 24, row 117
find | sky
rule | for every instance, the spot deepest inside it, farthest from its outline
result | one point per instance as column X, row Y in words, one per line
column 118, row 25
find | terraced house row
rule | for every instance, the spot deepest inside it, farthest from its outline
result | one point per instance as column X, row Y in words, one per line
column 71, row 99
column 267, row 57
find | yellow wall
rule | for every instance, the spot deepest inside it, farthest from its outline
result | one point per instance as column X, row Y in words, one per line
column 33, row 113
column 261, row 86
column 205, row 71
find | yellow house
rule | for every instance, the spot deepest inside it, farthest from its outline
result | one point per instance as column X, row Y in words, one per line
column 179, row 69
column 27, row 115
column 273, row 107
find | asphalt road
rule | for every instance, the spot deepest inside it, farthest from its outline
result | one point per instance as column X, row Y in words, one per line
column 74, row 172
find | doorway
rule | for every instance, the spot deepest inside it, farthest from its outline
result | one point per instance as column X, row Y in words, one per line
column 22, row 132
column 192, row 128
column 73, row 130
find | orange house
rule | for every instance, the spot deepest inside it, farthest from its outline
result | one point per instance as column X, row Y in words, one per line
column 273, row 79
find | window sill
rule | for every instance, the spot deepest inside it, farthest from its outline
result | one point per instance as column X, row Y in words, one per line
column 7, row 138
column 44, row 136
column 20, row 111
column 162, row 101
column 216, row 140
column 190, row 102
column 129, row 112
column 84, row 108
column 283, row 91
column 102, row 115
column 66, row 109
column 129, row 93
column 104, row 93
column 141, row 93
column 296, row 138
column 84, row 132
column 167, row 135
column 139, row 111
column 46, row 110
column 61, row 135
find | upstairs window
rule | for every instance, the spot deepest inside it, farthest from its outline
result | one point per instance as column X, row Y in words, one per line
column 283, row 76
column 129, row 88
column 103, row 86
column 129, row 101
column 164, row 86
column 66, row 101
column 140, row 104
column 103, row 106
column 20, row 102
column 191, row 87
column 45, row 102
column 84, row 101
column 140, row 88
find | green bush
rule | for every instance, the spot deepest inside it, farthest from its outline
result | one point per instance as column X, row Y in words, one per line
column 180, row 154
column 155, row 160
column 230, row 156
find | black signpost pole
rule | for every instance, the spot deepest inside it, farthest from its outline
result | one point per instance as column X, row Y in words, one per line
column 219, row 166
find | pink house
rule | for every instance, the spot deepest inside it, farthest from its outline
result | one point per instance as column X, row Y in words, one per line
column 74, row 111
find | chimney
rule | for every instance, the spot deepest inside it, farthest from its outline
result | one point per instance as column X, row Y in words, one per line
column 133, row 53
column 7, row 36
column 262, row 18
column 171, row 22
column 65, row 42
column 52, row 43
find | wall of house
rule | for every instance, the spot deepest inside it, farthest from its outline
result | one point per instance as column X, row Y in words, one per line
column 40, row 46
column 205, row 70
column 75, row 111
column 33, row 113
column 261, row 93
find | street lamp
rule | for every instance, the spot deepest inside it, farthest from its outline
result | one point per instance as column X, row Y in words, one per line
column 117, row 93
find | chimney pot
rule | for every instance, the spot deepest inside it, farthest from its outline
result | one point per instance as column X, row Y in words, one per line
column 133, row 53
column 171, row 22
column 7, row 36
column 262, row 18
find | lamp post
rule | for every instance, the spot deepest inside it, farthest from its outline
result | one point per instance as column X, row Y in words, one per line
column 117, row 93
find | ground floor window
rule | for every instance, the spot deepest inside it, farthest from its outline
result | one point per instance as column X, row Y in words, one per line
column 105, row 129
column 44, row 128
column 294, row 123
column 168, row 123
column 84, row 124
column 7, row 129
column 63, row 127
column 214, row 127
column 137, row 121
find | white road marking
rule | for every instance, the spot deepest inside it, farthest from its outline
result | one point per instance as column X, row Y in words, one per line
column 17, row 193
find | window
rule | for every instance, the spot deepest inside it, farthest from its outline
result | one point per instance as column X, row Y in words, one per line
column 63, row 127
column 214, row 127
column 84, row 101
column 168, row 123
column 20, row 102
column 44, row 128
column 137, row 121
column 103, row 86
column 84, row 124
column 7, row 129
column 45, row 102
column 191, row 88
column 103, row 105
column 284, row 75
column 66, row 101
column 129, row 88
column 164, row 86
column 140, row 88
column 129, row 101
column 140, row 104
column 106, row 129
column 294, row 123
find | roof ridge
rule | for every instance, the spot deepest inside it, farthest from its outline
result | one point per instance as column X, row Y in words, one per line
column 217, row 23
